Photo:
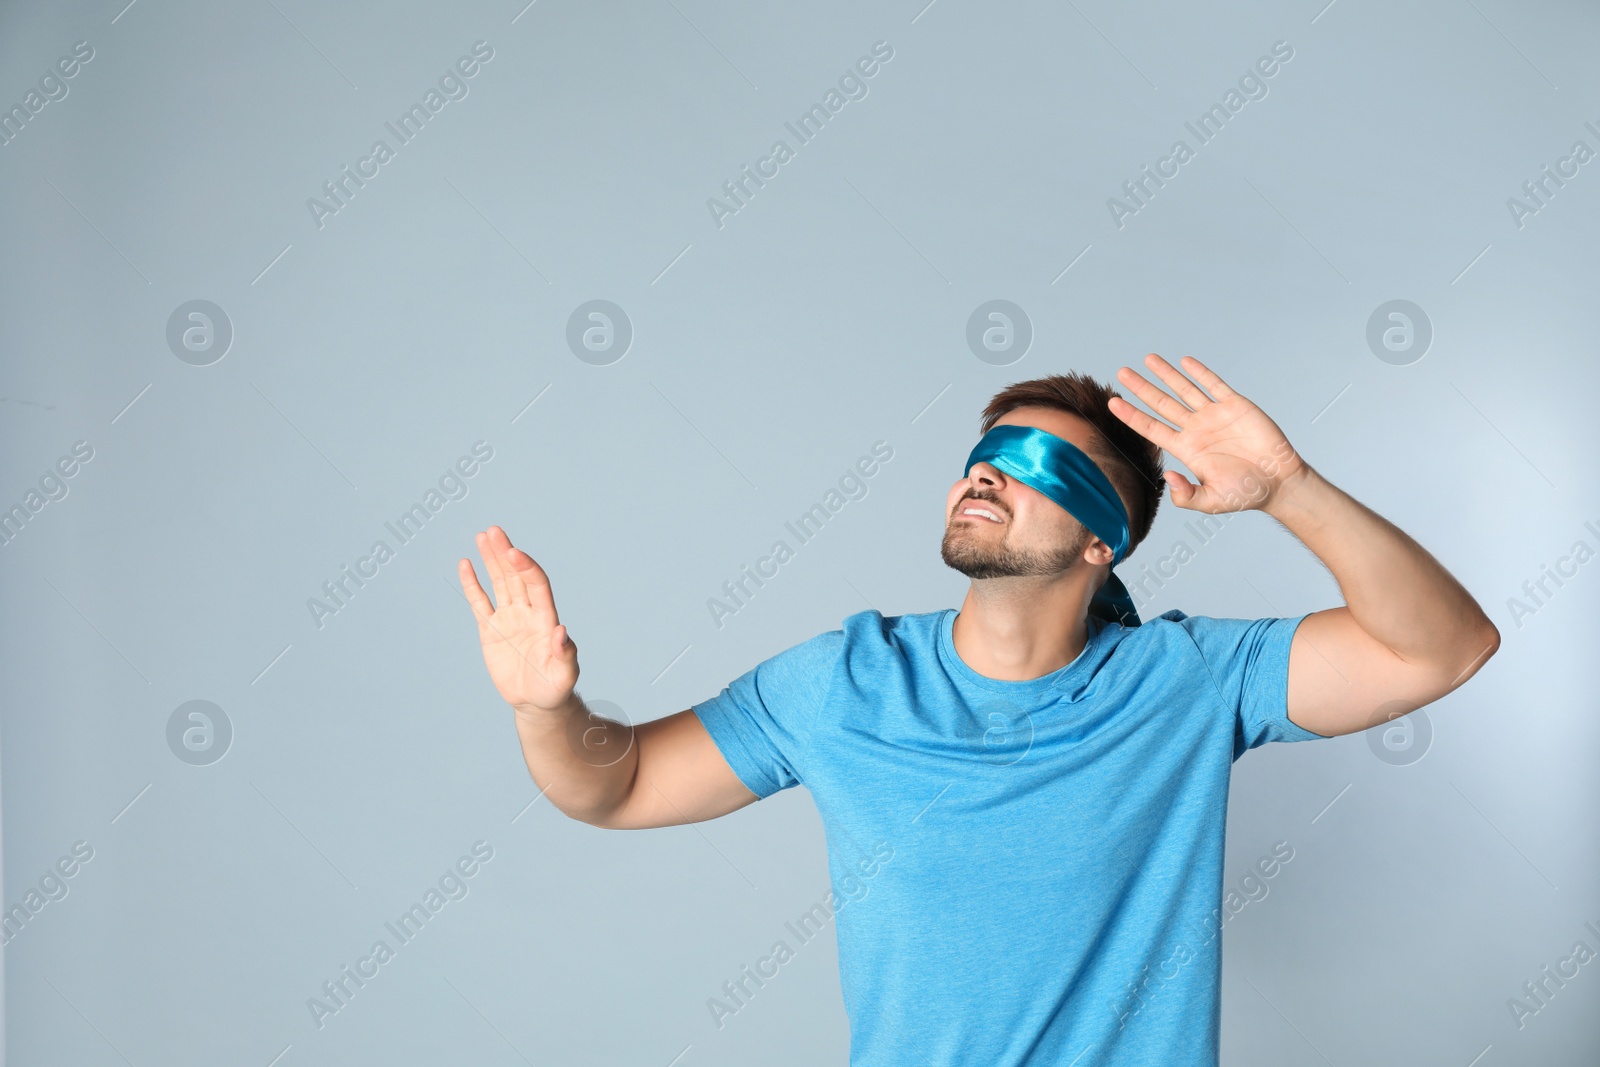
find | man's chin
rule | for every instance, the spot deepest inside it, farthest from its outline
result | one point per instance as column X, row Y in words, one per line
column 979, row 565
column 978, row 562
column 979, row 573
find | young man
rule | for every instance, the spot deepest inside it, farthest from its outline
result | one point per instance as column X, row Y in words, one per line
column 1035, row 786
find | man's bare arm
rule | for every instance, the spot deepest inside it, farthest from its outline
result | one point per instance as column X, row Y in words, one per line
column 661, row 773
column 1408, row 634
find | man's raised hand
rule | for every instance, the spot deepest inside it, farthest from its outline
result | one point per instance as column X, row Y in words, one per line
column 531, row 659
column 1241, row 457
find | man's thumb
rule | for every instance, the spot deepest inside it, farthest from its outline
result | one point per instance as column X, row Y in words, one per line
column 1183, row 491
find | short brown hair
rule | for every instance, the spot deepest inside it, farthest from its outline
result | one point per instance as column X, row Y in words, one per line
column 1131, row 463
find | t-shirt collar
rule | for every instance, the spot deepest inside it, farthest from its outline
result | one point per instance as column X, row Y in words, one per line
column 1067, row 679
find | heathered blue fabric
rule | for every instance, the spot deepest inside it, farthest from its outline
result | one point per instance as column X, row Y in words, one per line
column 1055, row 846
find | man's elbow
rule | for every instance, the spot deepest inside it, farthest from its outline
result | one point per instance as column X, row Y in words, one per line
column 1483, row 642
column 618, row 814
column 613, row 818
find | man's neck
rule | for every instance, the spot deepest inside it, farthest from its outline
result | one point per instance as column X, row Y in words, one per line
column 1018, row 629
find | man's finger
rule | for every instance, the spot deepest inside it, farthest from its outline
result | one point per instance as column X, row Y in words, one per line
column 1152, row 430
column 1163, row 403
column 479, row 601
column 1187, row 391
column 510, row 571
column 491, row 563
column 536, row 586
column 1187, row 494
column 1208, row 378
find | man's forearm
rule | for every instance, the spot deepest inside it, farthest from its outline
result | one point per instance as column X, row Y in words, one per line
column 584, row 763
column 1395, row 590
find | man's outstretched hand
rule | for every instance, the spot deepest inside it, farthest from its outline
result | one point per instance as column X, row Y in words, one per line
column 531, row 659
column 1242, row 458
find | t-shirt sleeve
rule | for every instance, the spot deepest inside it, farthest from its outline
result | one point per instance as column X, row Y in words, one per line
column 762, row 721
column 1248, row 663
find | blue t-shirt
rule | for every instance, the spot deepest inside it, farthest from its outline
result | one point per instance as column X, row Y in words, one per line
column 1024, row 872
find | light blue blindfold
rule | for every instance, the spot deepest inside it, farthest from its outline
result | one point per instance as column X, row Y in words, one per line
column 1064, row 473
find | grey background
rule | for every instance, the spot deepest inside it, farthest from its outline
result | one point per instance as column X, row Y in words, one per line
column 768, row 354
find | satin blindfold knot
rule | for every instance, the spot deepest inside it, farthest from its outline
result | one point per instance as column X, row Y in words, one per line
column 1063, row 472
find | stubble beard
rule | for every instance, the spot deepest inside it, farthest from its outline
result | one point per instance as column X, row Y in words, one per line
column 999, row 559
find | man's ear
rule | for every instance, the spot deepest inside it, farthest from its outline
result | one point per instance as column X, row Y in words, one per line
column 1097, row 552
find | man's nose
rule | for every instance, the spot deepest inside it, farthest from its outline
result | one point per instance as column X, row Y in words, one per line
column 985, row 474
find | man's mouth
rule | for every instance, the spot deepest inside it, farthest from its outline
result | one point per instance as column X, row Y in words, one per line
column 980, row 512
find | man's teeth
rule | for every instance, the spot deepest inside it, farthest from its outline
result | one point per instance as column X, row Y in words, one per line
column 985, row 512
